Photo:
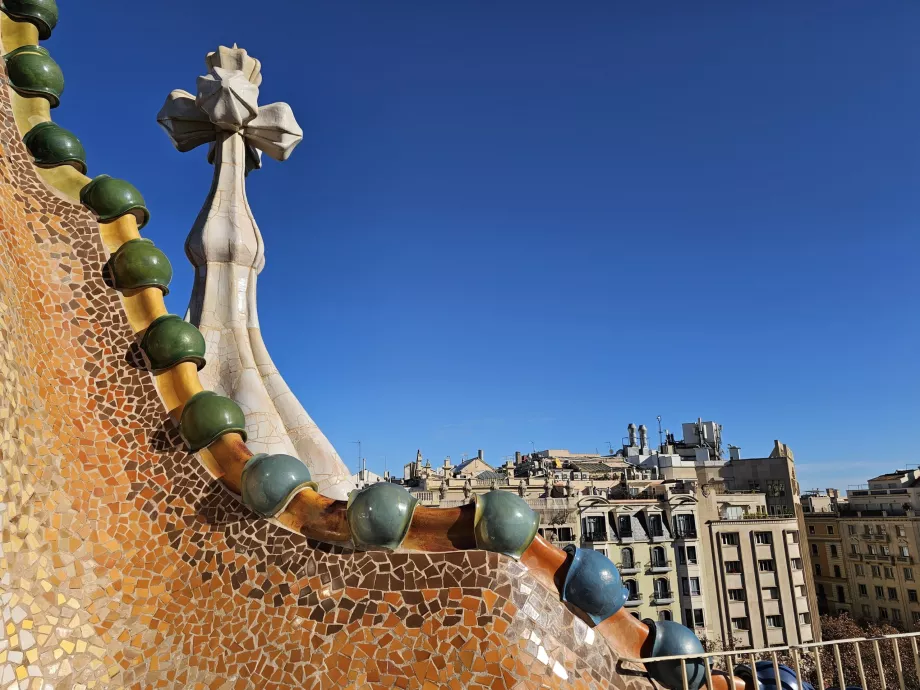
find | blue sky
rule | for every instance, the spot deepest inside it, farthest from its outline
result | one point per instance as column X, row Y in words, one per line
column 539, row 221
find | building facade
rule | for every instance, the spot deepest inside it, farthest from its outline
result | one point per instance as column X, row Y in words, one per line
column 865, row 551
column 710, row 542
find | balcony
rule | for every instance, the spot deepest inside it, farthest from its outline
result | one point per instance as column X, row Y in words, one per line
column 905, row 559
column 629, row 568
column 633, row 600
column 879, row 557
column 594, row 537
column 662, row 565
column 662, row 598
column 685, row 534
column 876, row 537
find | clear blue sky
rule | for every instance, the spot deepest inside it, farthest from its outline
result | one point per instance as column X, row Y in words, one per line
column 539, row 221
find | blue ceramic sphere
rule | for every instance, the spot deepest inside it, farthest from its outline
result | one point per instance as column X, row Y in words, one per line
column 593, row 584
column 504, row 523
column 673, row 639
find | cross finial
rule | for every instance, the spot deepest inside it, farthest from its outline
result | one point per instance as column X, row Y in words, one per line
column 227, row 101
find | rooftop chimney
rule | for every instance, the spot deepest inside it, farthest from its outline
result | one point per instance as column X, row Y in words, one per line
column 517, row 457
column 479, row 454
column 734, row 453
column 631, row 430
column 643, row 436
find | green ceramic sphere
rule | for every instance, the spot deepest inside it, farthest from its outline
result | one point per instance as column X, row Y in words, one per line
column 208, row 416
column 504, row 523
column 42, row 13
column 170, row 340
column 268, row 482
column 32, row 73
column 139, row 264
column 110, row 198
column 379, row 515
column 52, row 146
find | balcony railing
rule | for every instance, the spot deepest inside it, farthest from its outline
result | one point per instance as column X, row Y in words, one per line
column 685, row 534
column 807, row 663
column 591, row 537
column 876, row 537
column 629, row 568
column 662, row 597
column 634, row 599
column 659, row 565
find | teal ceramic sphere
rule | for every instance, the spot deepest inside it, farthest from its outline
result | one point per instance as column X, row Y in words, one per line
column 673, row 639
column 42, row 13
column 52, row 146
column 33, row 74
column 504, row 523
column 110, row 198
column 593, row 584
column 170, row 340
column 208, row 416
column 269, row 481
column 139, row 264
column 379, row 515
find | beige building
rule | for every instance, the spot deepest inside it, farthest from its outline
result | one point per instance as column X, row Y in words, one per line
column 865, row 552
column 714, row 544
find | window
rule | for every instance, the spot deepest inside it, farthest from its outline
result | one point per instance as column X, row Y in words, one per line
column 880, row 529
column 818, row 569
column 896, row 615
column 768, row 566
column 691, row 586
column 774, row 621
column 909, row 574
column 867, row 610
column 851, row 529
column 732, row 566
column 879, row 592
column 833, row 551
column 654, row 526
column 632, row 590
column 626, row 558
column 776, row 487
column 796, row 564
column 916, row 615
column 741, row 624
column 876, row 571
column 805, row 618
column 814, row 549
column 863, row 591
column 681, row 555
column 691, row 555
column 860, row 571
column 771, row 593
column 892, row 594
column 661, row 588
column 736, row 595
column 659, row 560
column 794, row 536
column 837, row 571
column 820, row 589
column 841, row 595
column 664, row 615
column 624, row 526
column 811, row 529
column 693, row 618
column 730, row 539
column 883, row 613
column 886, row 551
column 854, row 549
column 912, row 595
column 901, row 531
column 684, row 526
column 800, row 591
column 905, row 552
column 867, row 529
column 763, row 538
column 594, row 528
column 889, row 574
column 871, row 549
column 830, row 529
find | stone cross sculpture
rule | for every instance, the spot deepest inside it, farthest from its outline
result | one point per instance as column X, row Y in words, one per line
column 228, row 253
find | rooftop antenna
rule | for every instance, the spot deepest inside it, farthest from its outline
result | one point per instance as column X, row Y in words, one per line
column 533, row 447
column 359, row 454
column 659, row 432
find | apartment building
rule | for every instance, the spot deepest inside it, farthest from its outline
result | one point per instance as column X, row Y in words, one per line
column 865, row 551
column 710, row 542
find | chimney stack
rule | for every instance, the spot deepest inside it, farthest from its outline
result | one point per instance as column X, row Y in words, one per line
column 479, row 454
column 643, row 436
column 517, row 457
column 631, row 430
